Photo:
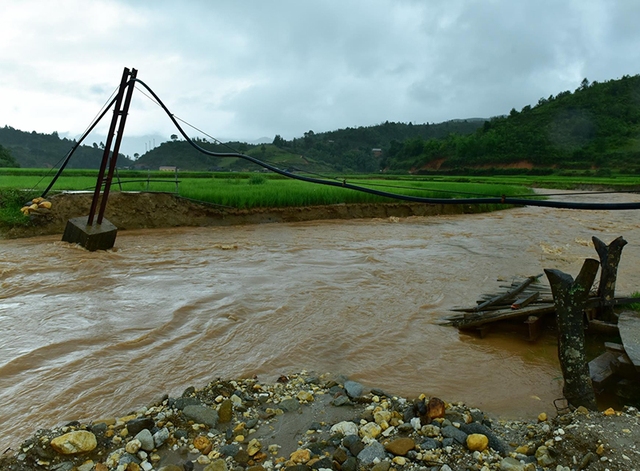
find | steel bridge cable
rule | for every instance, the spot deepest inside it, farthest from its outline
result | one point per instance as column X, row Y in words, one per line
column 77, row 144
column 416, row 199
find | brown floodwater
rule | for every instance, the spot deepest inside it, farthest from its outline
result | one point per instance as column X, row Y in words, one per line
column 89, row 335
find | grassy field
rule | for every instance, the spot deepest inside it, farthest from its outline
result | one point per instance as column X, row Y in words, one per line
column 259, row 189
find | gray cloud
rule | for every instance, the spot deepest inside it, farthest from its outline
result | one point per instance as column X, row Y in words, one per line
column 253, row 68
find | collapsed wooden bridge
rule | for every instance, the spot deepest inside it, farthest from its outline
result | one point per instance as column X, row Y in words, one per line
column 575, row 307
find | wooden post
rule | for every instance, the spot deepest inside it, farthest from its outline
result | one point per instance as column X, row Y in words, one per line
column 570, row 298
column 609, row 260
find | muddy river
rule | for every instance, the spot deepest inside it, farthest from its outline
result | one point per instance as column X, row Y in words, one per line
column 89, row 335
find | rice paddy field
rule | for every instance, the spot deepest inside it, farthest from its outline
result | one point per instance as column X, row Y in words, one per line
column 248, row 190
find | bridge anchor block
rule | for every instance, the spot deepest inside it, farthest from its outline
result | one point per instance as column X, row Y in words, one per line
column 92, row 237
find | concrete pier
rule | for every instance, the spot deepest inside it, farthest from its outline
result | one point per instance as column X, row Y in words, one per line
column 91, row 237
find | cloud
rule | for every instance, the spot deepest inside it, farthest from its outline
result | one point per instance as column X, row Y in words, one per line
column 249, row 69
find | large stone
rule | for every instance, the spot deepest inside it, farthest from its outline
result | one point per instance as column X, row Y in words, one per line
column 146, row 439
column 370, row 430
column 373, row 451
column 136, row 425
column 494, row 441
column 225, row 411
column 452, row 432
column 201, row 415
column 345, row 428
column 353, row 389
column 477, row 442
column 400, row 446
column 79, row 441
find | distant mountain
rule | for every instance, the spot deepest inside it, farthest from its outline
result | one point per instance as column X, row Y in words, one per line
column 31, row 149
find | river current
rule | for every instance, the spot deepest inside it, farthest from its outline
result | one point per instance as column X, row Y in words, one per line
column 91, row 335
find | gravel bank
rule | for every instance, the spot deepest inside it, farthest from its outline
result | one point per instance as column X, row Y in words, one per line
column 310, row 422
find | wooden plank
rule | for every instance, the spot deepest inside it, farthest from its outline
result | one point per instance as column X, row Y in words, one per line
column 600, row 370
column 629, row 327
column 524, row 301
column 486, row 318
column 515, row 291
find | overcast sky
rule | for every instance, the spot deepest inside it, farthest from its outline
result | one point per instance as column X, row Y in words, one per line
column 254, row 68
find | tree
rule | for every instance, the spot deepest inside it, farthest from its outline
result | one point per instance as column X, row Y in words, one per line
column 174, row 137
column 278, row 141
column 6, row 159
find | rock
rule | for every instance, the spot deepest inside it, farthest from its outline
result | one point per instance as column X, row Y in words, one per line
column 353, row 444
column 133, row 446
column 160, row 437
column 170, row 467
column 345, row 428
column 452, row 432
column 511, row 464
column 382, row 466
column 371, row 452
column 229, row 450
column 183, row 402
column 542, row 417
column 289, row 405
column 201, row 415
column 477, row 442
column 543, row 457
column 135, row 426
column 383, row 416
column 340, row 455
column 201, row 443
column 435, row 408
column 370, row 430
column 253, row 447
column 353, row 389
column 300, row 456
column 494, row 441
column 430, row 430
column 341, row 401
column 351, row 464
column 216, row 465
column 146, row 440
column 225, row 412
column 305, row 396
column 79, row 441
column 429, row 444
column 400, row 446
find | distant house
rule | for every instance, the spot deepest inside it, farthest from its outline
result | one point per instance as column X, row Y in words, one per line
column 168, row 168
column 377, row 152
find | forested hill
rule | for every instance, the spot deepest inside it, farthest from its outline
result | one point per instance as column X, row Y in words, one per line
column 31, row 149
column 345, row 150
column 595, row 127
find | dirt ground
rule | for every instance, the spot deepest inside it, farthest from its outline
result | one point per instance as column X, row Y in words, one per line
column 137, row 210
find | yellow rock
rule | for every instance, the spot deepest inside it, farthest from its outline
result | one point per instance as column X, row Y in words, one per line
column 37, row 200
column 609, row 411
column 477, row 442
column 600, row 449
column 305, row 396
column 523, row 450
column 45, row 204
column 254, row 447
column 79, row 441
column 542, row 417
column 201, row 443
column 33, row 207
column 400, row 460
column 370, row 430
column 300, row 456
